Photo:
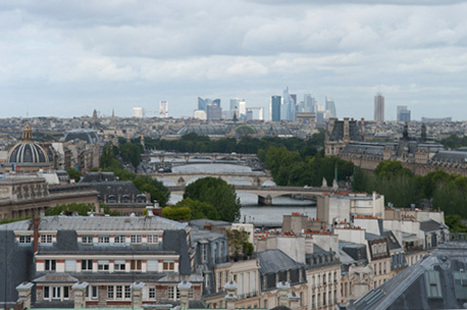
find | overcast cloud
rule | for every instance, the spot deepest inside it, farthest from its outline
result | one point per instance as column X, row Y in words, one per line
column 67, row 58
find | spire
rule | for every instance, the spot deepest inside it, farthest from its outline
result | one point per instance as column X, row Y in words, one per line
column 27, row 133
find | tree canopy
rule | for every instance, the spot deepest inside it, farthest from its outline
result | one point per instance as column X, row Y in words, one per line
column 217, row 193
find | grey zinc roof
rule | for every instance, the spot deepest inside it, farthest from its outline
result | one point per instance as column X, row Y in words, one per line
column 391, row 240
column 115, row 188
column 454, row 156
column 273, row 261
column 198, row 234
column 98, row 177
column 102, row 223
column 200, row 223
column 430, row 225
column 409, row 289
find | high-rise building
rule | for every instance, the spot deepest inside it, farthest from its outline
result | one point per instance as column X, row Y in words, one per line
column 213, row 112
column 275, row 108
column 164, row 109
column 309, row 103
column 331, row 106
column 379, row 107
column 138, row 112
column 403, row 114
column 201, row 104
column 242, row 109
column 217, row 102
column 287, row 106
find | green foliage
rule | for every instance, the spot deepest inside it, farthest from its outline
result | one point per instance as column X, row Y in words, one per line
column 107, row 159
column 7, row 220
column 155, row 188
column 68, row 209
column 199, row 209
column 238, row 242
column 219, row 194
column 74, row 174
column 454, row 141
column 177, row 213
column 454, row 223
column 391, row 168
column 131, row 153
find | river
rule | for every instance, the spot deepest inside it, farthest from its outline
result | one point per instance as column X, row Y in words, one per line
column 251, row 211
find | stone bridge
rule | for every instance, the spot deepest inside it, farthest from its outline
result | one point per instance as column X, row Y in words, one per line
column 184, row 178
column 213, row 157
column 266, row 194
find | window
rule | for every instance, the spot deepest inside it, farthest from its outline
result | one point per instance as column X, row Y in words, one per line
column 103, row 265
column 191, row 293
column 171, row 292
column 153, row 238
column 120, row 239
column 46, row 238
column 103, row 239
column 135, row 239
column 25, row 239
column 204, row 253
column 135, row 264
column 127, row 291
column 119, row 265
column 119, row 292
column 86, row 265
column 56, row 290
column 94, row 291
column 50, row 265
column 169, row 266
column 110, row 292
column 46, row 292
column 152, row 292
column 66, row 292
column 87, row 239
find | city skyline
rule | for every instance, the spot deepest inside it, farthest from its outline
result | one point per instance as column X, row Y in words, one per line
column 68, row 59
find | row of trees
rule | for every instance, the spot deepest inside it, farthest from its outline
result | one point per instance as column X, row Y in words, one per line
column 402, row 187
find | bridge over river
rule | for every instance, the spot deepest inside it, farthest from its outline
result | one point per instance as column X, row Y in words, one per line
column 183, row 178
column 265, row 194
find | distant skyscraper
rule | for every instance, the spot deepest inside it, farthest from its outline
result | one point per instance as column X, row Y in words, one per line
column 217, row 102
column 213, row 111
column 234, row 104
column 164, row 109
column 403, row 114
column 275, row 108
column 331, row 106
column 201, row 104
column 379, row 108
column 287, row 106
column 309, row 103
column 138, row 112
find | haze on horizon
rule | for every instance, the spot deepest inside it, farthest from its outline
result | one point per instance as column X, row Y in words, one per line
column 67, row 58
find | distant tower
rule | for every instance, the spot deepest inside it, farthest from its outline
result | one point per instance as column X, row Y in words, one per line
column 379, row 107
column 138, row 112
column 403, row 114
column 330, row 106
column 275, row 108
column 164, row 109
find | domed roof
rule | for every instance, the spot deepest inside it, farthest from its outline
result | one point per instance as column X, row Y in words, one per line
column 27, row 151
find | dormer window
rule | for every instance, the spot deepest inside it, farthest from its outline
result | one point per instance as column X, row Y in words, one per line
column 46, row 238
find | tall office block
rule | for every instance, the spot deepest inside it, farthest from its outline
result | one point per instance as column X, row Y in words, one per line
column 287, row 106
column 138, row 112
column 201, row 104
column 217, row 102
column 275, row 108
column 403, row 114
column 379, row 108
column 213, row 111
column 164, row 109
column 309, row 103
column 330, row 106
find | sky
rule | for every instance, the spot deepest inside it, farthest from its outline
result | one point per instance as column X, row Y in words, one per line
column 67, row 58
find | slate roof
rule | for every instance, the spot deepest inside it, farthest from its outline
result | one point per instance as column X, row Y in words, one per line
column 273, row 261
column 116, row 188
column 432, row 283
column 430, row 225
column 99, row 223
column 454, row 156
column 392, row 241
column 92, row 177
column 199, row 223
column 199, row 234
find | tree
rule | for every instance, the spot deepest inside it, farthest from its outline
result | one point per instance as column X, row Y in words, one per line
column 74, row 174
column 155, row 188
column 80, row 208
column 107, row 159
column 199, row 209
column 219, row 194
column 177, row 214
column 131, row 153
column 238, row 242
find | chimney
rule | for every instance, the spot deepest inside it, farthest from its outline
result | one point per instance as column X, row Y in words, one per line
column 24, row 294
column 137, row 294
column 184, row 289
column 149, row 211
column 231, row 297
column 283, row 290
column 36, row 224
column 79, row 295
